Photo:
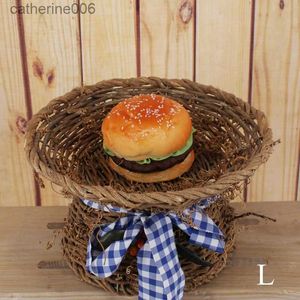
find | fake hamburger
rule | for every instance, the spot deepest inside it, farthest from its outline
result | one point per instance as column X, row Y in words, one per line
column 148, row 138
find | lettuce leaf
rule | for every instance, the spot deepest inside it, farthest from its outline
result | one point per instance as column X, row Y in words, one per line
column 149, row 159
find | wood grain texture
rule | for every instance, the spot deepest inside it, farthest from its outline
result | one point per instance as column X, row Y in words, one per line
column 108, row 40
column 223, row 44
column 16, row 176
column 276, row 91
column 166, row 38
column 298, row 187
column 25, row 233
column 53, row 58
column 223, row 31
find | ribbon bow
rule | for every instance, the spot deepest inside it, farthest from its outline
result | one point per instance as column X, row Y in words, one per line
column 159, row 272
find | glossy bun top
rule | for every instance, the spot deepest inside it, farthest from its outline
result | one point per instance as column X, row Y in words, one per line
column 146, row 125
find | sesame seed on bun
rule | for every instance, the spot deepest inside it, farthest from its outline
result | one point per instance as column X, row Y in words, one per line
column 149, row 138
column 145, row 126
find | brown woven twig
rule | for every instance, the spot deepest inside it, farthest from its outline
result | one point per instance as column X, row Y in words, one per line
column 64, row 143
column 249, row 213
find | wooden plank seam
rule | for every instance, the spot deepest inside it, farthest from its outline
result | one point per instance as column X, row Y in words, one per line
column 28, row 100
column 250, row 79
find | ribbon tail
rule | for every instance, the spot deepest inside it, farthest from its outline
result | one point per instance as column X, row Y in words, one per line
column 205, row 234
column 212, row 237
column 150, row 281
column 160, row 251
column 208, row 240
column 103, row 263
column 204, row 222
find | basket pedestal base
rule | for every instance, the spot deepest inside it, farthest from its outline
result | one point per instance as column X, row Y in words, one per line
column 82, row 219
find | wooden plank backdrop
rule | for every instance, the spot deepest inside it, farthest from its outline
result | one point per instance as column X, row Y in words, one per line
column 54, row 66
column 249, row 48
column 166, row 38
column 276, row 91
column 108, row 40
column 223, row 31
column 16, row 177
column 222, row 36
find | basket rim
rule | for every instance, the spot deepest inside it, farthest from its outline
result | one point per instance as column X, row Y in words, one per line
column 170, row 199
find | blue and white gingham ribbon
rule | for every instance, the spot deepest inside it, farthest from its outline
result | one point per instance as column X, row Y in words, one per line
column 159, row 270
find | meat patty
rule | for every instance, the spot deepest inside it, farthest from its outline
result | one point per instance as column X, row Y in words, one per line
column 154, row 166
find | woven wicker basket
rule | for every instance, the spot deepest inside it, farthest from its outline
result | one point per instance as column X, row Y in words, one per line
column 64, row 144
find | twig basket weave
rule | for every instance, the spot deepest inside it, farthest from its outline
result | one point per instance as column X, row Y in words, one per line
column 64, row 144
column 82, row 219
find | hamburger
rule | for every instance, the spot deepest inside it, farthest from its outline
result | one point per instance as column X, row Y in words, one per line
column 148, row 138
